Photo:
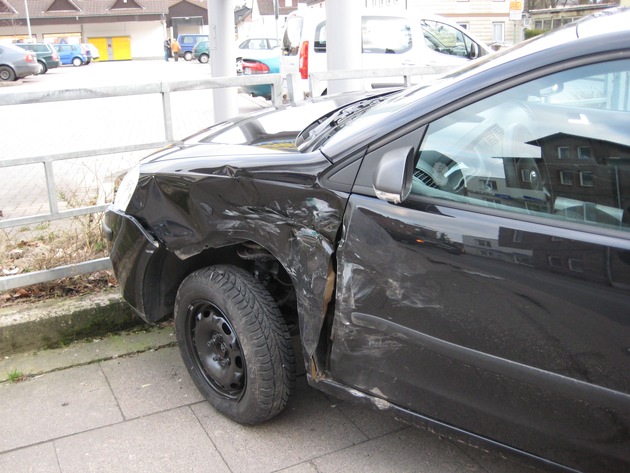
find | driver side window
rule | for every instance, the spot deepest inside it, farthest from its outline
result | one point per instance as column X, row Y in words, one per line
column 557, row 147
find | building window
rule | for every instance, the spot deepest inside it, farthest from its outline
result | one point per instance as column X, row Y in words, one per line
column 498, row 32
column 566, row 178
column 523, row 259
column 555, row 261
column 586, row 179
column 584, row 152
column 564, row 152
column 489, row 185
column 518, row 236
column 576, row 265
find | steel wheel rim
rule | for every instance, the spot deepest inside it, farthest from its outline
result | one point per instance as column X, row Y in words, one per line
column 216, row 349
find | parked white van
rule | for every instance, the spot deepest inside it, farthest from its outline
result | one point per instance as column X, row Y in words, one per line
column 388, row 41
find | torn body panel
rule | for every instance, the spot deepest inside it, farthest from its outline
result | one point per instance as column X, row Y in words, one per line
column 287, row 214
column 420, row 320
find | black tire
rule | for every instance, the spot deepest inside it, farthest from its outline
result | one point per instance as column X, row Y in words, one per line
column 77, row 61
column 188, row 55
column 42, row 67
column 235, row 343
column 204, row 58
column 7, row 74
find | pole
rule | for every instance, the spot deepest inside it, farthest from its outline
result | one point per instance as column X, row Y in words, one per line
column 28, row 20
column 343, row 24
column 222, row 55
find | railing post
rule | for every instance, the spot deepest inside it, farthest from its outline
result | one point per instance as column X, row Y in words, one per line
column 290, row 89
column 168, row 114
column 52, row 188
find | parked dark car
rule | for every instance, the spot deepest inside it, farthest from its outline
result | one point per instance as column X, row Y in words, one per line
column 72, row 54
column 457, row 254
column 187, row 42
column 47, row 55
column 201, row 51
column 15, row 63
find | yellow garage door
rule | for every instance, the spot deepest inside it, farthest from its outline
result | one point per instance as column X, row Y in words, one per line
column 121, row 46
column 115, row 48
column 101, row 45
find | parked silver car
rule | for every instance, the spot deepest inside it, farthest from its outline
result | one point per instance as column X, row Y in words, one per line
column 15, row 63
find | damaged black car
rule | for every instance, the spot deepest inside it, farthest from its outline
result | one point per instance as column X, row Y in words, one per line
column 457, row 253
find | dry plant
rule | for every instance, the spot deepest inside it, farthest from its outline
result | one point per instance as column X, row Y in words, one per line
column 52, row 244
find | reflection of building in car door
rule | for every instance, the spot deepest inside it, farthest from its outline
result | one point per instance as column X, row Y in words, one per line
column 559, row 150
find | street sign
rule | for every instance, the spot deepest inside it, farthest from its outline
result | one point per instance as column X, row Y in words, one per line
column 516, row 10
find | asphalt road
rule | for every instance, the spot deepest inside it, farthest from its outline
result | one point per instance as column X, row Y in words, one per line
column 43, row 129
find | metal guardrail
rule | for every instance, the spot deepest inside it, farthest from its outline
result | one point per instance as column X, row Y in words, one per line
column 315, row 78
column 165, row 89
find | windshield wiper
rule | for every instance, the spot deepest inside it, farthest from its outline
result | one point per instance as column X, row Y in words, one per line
column 323, row 128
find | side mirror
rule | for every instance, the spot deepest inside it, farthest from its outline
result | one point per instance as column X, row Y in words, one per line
column 394, row 174
column 474, row 51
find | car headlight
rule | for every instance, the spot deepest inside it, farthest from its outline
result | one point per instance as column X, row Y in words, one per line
column 126, row 189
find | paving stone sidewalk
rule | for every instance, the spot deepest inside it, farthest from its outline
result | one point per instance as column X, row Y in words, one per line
column 126, row 403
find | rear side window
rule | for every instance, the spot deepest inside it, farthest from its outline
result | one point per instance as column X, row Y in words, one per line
column 379, row 35
column 445, row 39
column 557, row 147
column 382, row 35
column 319, row 45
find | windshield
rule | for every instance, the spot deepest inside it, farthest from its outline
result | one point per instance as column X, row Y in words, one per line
column 322, row 129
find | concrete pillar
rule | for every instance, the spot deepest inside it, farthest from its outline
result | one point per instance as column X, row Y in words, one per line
column 222, row 56
column 343, row 42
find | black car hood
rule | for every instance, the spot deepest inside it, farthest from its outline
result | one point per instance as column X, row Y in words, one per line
column 272, row 129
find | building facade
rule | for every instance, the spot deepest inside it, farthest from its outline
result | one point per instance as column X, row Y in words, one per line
column 488, row 20
column 123, row 29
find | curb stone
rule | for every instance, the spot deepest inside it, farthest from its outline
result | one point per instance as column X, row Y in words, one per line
column 88, row 351
column 48, row 324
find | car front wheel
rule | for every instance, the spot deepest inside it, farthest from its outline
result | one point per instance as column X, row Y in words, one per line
column 235, row 343
column 77, row 61
column 204, row 58
column 188, row 55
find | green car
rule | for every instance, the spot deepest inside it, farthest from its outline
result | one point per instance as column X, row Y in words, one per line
column 201, row 51
column 47, row 55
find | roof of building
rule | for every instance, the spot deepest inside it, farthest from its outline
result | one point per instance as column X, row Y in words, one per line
column 62, row 8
